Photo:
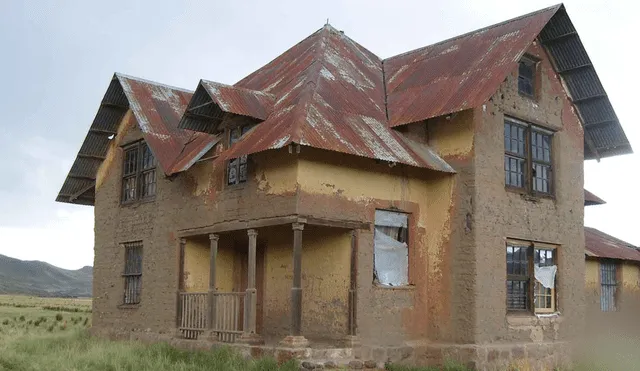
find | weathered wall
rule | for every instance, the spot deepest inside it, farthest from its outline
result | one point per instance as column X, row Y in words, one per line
column 501, row 214
column 356, row 187
column 325, row 281
column 192, row 199
column 197, row 263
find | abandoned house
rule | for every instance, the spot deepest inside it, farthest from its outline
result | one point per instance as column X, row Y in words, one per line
column 333, row 205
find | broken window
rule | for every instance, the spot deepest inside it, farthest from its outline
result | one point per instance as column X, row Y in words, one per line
column 132, row 272
column 527, row 158
column 391, row 252
column 609, row 285
column 237, row 171
column 531, row 264
column 138, row 173
column 526, row 76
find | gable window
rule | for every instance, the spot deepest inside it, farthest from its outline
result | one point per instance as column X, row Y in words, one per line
column 526, row 76
column 527, row 157
column 609, row 285
column 132, row 272
column 390, row 251
column 138, row 173
column 237, row 167
column 531, row 275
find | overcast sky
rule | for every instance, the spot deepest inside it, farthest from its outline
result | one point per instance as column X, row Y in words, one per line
column 57, row 58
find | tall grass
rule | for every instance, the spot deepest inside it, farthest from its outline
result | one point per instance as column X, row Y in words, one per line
column 78, row 351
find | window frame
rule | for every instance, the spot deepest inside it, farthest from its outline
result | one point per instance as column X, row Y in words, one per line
column 534, row 63
column 140, row 148
column 529, row 161
column 132, row 272
column 406, row 234
column 531, row 248
column 240, row 161
column 615, row 285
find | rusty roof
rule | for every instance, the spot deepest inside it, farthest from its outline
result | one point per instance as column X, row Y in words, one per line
column 157, row 109
column 212, row 100
column 465, row 71
column 591, row 199
column 330, row 95
column 601, row 245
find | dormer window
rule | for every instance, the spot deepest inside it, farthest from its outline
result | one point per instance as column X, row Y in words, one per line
column 138, row 173
column 237, row 168
column 526, row 77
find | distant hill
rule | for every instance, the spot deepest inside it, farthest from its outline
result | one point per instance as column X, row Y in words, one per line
column 42, row 279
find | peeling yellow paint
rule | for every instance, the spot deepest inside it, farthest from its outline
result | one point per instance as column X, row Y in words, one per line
column 630, row 276
column 276, row 175
column 452, row 137
column 196, row 266
column 124, row 127
column 592, row 273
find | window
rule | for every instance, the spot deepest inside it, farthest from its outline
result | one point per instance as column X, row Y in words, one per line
column 132, row 272
column 391, row 252
column 531, row 275
column 609, row 284
column 526, row 76
column 138, row 173
column 237, row 167
column 527, row 157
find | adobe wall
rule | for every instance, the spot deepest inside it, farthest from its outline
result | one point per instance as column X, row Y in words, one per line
column 353, row 190
column 192, row 199
column 501, row 214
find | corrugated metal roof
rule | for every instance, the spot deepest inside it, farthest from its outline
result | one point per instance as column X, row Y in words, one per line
column 463, row 72
column 591, row 199
column 601, row 245
column 157, row 109
column 330, row 95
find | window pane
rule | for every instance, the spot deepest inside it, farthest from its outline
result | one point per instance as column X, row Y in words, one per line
column 514, row 171
column 514, row 139
column 234, row 136
column 541, row 178
column 540, row 146
column 517, row 292
column 517, row 260
column 130, row 161
column 149, row 183
column 232, row 176
column 129, row 189
column 391, row 257
column 526, row 71
column 148, row 161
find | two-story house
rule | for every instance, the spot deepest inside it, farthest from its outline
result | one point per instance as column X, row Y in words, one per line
column 332, row 204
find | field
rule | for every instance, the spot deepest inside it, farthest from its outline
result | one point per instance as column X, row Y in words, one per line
column 52, row 334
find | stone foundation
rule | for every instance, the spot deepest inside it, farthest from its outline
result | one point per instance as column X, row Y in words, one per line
column 491, row 357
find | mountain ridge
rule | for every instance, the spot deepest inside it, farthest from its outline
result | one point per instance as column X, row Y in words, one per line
column 38, row 278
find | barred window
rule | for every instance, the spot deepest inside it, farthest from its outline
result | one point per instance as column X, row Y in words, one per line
column 138, row 173
column 609, row 286
column 132, row 272
column 527, row 158
column 531, row 276
column 237, row 171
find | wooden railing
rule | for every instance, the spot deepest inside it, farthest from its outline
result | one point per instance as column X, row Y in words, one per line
column 228, row 315
column 194, row 307
column 229, row 312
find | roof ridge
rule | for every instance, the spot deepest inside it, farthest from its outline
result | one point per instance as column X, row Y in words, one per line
column 139, row 79
column 557, row 7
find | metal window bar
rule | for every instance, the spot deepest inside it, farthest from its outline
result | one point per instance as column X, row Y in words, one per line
column 518, row 278
column 609, row 286
column 132, row 272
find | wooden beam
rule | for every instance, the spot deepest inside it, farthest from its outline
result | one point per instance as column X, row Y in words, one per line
column 237, row 225
column 346, row 224
column 94, row 157
column 213, row 258
column 296, row 289
column 81, row 192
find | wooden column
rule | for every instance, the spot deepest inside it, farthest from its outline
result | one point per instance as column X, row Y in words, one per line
column 213, row 257
column 181, row 248
column 295, row 338
column 251, row 298
column 353, row 285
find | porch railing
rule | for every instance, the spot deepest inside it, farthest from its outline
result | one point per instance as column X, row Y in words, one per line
column 193, row 313
column 228, row 315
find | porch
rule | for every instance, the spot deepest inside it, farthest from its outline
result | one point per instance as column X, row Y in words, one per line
column 259, row 283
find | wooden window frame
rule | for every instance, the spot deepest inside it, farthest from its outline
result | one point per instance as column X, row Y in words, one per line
column 239, row 161
column 407, row 241
column 531, row 248
column 132, row 273
column 534, row 62
column 138, row 175
column 529, row 162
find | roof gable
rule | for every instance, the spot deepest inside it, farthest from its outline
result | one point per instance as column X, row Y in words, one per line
column 463, row 72
column 157, row 109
